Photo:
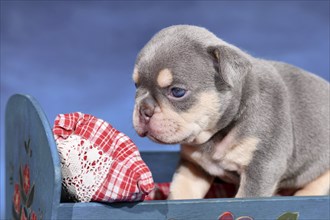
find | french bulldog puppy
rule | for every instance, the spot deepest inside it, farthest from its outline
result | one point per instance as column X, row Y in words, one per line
column 260, row 124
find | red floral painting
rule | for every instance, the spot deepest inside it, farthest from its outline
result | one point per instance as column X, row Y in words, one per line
column 23, row 196
column 284, row 216
column 17, row 198
column 33, row 216
column 24, row 193
column 26, row 178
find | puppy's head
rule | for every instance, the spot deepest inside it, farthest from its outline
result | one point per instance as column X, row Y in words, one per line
column 188, row 85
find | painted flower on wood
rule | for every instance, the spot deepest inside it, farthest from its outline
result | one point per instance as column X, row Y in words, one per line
column 24, row 192
column 23, row 215
column 230, row 216
column 33, row 216
column 17, row 198
column 26, row 178
column 284, row 216
column 23, row 196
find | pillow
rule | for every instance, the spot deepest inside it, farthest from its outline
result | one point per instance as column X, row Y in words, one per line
column 98, row 162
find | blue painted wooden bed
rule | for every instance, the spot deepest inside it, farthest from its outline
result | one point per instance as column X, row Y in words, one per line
column 33, row 182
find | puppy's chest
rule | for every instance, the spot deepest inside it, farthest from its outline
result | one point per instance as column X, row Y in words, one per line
column 224, row 158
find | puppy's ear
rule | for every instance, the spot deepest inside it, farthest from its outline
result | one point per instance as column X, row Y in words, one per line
column 231, row 64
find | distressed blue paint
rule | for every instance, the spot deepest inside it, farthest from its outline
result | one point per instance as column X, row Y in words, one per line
column 261, row 208
column 25, row 121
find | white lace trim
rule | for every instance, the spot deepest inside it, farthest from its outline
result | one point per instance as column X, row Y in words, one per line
column 84, row 167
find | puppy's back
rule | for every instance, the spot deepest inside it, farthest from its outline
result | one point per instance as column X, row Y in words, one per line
column 310, row 109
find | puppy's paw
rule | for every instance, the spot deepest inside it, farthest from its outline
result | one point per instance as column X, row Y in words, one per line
column 318, row 187
column 189, row 182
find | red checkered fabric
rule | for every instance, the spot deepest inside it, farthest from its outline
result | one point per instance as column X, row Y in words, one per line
column 127, row 177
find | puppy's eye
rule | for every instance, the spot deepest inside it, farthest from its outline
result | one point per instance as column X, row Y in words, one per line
column 178, row 92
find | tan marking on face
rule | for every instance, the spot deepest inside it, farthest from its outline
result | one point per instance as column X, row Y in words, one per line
column 165, row 78
column 196, row 125
column 318, row 187
column 135, row 75
column 205, row 114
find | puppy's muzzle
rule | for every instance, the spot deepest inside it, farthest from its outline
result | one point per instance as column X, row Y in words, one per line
column 147, row 108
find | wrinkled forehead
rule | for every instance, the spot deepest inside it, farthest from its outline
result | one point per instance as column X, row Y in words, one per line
column 167, row 76
column 172, row 66
column 162, row 78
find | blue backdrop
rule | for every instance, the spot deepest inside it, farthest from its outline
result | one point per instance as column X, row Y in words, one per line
column 79, row 55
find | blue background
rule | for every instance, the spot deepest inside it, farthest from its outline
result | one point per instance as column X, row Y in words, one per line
column 79, row 55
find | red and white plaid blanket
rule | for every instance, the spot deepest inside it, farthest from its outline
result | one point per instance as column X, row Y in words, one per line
column 98, row 162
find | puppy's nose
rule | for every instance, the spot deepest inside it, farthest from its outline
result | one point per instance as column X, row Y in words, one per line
column 147, row 108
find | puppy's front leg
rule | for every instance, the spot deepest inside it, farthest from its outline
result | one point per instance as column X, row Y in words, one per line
column 189, row 182
column 258, row 180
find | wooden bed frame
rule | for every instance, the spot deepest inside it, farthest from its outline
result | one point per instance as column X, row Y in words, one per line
column 33, row 182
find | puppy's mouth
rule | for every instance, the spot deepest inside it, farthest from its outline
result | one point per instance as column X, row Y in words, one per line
column 153, row 138
column 158, row 140
column 159, row 130
column 164, row 133
column 147, row 132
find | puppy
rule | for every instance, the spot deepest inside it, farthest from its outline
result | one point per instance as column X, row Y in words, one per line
column 260, row 124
